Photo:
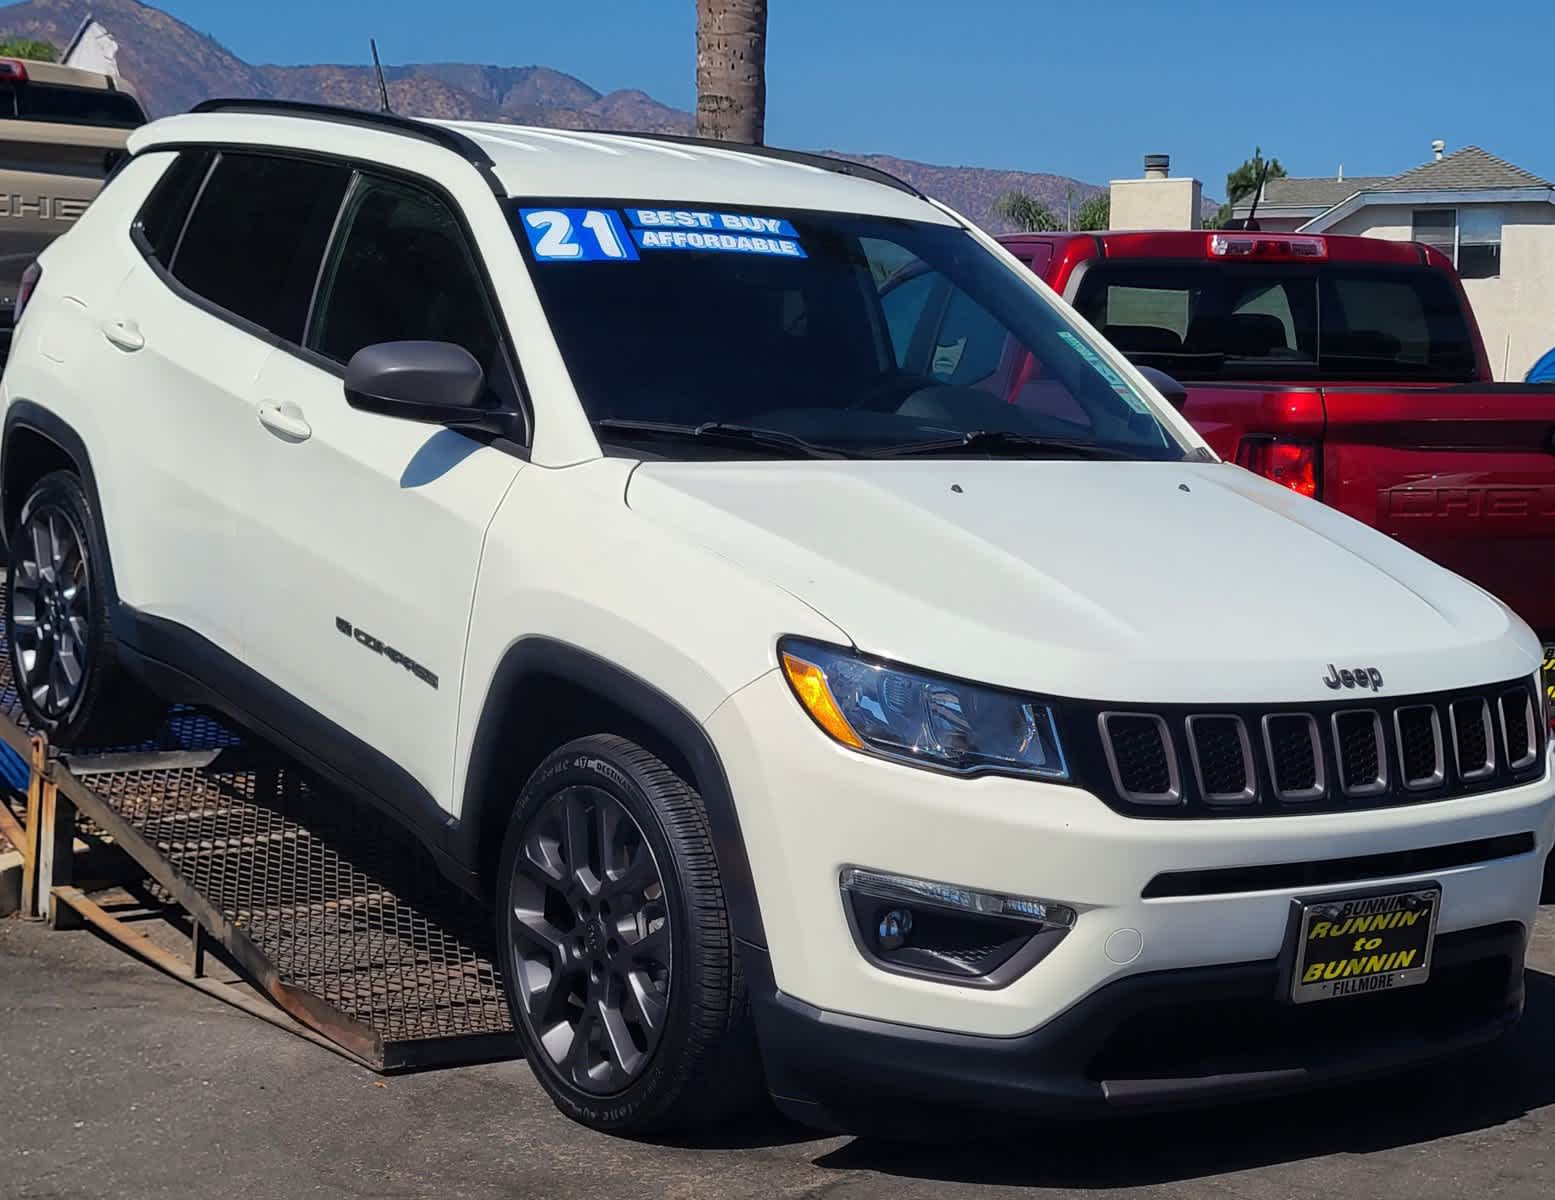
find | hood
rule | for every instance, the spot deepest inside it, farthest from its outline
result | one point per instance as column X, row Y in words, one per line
column 1124, row 581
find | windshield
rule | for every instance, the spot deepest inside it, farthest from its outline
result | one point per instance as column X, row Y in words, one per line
column 1336, row 321
column 853, row 334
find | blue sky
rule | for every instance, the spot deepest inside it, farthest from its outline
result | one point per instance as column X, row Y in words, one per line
column 1082, row 89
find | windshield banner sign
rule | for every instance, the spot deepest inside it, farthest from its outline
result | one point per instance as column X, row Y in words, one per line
column 733, row 233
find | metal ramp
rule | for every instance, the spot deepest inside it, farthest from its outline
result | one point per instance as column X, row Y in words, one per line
column 327, row 908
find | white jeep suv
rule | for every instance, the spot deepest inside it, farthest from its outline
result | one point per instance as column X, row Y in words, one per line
column 661, row 531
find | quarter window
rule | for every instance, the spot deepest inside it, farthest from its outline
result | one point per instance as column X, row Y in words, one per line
column 401, row 270
column 256, row 238
column 162, row 219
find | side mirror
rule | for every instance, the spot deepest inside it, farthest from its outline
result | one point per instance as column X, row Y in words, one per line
column 436, row 382
column 1175, row 394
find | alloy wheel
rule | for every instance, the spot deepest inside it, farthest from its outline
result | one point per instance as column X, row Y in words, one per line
column 591, row 938
column 50, row 612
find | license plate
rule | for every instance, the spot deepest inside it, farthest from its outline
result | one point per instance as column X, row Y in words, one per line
column 1360, row 945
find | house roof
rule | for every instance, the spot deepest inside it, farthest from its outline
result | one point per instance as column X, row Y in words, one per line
column 1312, row 193
column 1462, row 170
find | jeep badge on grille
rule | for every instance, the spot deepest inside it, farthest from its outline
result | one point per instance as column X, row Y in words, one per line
column 1361, row 677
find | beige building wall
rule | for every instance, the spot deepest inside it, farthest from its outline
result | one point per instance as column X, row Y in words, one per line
column 1516, row 310
column 1157, row 204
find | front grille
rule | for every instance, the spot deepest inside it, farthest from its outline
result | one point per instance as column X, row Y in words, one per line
column 1173, row 760
column 1295, row 756
column 1363, row 762
column 1518, row 727
column 1141, row 757
column 1421, row 760
column 1473, row 738
column 1222, row 759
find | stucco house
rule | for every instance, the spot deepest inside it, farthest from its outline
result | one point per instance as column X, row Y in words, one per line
column 1495, row 220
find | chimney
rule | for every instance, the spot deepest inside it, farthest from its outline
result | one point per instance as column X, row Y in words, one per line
column 1437, row 147
column 1340, row 179
column 1158, row 201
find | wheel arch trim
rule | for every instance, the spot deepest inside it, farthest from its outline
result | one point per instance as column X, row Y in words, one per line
column 34, row 418
column 532, row 659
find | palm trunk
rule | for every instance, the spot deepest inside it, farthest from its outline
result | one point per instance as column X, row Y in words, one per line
column 732, row 70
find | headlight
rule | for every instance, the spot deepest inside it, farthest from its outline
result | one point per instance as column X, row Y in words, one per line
column 923, row 719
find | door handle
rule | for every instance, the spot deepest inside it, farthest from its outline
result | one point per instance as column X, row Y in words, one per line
column 285, row 420
column 124, row 334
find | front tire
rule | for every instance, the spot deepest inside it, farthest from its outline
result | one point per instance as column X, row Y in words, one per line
column 64, row 659
column 621, row 971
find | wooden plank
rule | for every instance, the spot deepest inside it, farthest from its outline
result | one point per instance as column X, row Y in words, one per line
column 32, row 903
column 10, row 828
column 56, row 852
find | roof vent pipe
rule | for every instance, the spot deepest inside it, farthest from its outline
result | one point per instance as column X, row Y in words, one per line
column 1158, row 166
column 1438, row 147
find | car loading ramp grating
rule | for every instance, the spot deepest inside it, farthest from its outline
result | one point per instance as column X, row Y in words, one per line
column 328, row 908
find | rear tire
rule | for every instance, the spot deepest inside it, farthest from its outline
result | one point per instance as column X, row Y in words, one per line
column 615, row 943
column 64, row 658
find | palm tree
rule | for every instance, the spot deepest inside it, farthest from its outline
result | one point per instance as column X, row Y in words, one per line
column 732, row 70
column 1026, row 213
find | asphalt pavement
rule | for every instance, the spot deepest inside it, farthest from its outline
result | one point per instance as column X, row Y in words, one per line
column 118, row 1082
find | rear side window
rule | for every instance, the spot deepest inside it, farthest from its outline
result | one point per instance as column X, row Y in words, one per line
column 1367, row 319
column 401, row 270
column 1202, row 320
column 256, row 238
column 162, row 218
column 69, row 106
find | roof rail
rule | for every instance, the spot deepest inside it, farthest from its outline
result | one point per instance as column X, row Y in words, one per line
column 825, row 162
column 465, row 147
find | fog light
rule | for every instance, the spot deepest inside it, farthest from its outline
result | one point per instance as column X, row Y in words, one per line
column 894, row 928
column 950, row 933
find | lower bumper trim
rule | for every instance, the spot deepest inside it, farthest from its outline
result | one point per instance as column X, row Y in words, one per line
column 1167, row 1038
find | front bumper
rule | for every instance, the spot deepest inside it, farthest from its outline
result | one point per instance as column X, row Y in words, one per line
column 808, row 808
column 1153, row 1040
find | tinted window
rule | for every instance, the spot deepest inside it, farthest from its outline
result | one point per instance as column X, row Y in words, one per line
column 162, row 218
column 1212, row 320
column 1394, row 320
column 256, row 238
column 861, row 333
column 72, row 106
column 401, row 271
column 938, row 330
column 970, row 343
column 906, row 306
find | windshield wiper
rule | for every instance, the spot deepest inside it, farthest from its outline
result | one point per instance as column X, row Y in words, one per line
column 722, row 433
column 1002, row 442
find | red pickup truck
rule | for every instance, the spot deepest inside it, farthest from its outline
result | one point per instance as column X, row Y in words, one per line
column 1349, row 369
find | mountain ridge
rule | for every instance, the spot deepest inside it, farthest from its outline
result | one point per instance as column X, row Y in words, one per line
column 174, row 66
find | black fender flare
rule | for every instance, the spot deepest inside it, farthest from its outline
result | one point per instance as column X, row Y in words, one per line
column 33, row 417
column 536, row 658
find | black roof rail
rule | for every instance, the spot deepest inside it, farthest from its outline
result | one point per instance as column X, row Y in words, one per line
column 470, row 150
column 464, row 146
column 826, row 162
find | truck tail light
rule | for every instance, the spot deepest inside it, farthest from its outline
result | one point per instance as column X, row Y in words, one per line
column 1267, row 247
column 12, row 71
column 1290, row 464
column 24, row 292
